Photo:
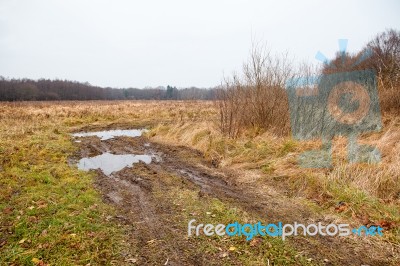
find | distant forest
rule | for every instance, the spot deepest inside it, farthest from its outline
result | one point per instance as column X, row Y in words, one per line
column 54, row 90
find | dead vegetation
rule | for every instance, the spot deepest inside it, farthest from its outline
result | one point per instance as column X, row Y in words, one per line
column 257, row 99
column 36, row 134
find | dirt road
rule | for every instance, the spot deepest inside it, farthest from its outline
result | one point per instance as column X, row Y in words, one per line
column 146, row 199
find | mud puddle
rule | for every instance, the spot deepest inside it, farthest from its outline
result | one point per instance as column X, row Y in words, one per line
column 137, row 185
column 110, row 134
column 109, row 163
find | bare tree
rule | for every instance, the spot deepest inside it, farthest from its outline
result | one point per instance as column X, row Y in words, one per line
column 386, row 58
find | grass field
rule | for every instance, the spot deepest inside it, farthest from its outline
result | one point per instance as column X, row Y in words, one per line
column 52, row 213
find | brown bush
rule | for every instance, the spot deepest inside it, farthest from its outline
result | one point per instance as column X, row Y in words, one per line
column 256, row 100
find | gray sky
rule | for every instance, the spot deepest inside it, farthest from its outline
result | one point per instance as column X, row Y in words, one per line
column 183, row 43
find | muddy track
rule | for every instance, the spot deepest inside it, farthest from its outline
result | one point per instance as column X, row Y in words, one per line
column 134, row 192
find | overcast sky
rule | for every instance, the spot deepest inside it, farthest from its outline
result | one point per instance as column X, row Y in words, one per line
column 182, row 43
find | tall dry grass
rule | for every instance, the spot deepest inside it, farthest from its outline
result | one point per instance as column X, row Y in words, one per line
column 389, row 98
column 259, row 158
column 195, row 124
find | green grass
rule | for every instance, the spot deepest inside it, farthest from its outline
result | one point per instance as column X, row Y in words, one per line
column 50, row 213
column 225, row 250
column 361, row 205
column 49, row 210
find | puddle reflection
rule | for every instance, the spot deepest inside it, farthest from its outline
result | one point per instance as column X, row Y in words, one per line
column 109, row 134
column 108, row 162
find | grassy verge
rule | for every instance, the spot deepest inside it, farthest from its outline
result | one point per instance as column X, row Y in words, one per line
column 368, row 194
column 50, row 212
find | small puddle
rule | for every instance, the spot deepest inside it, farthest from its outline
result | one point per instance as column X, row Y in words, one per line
column 108, row 162
column 109, row 134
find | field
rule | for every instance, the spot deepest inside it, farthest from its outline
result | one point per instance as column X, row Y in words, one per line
column 54, row 214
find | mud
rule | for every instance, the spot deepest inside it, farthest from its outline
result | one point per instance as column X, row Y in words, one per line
column 155, row 237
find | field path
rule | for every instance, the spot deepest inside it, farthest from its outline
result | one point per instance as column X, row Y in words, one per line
column 142, row 197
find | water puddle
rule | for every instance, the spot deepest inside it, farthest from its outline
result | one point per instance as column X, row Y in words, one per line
column 109, row 134
column 108, row 162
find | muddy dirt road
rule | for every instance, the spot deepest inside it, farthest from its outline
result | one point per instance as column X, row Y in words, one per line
column 158, row 231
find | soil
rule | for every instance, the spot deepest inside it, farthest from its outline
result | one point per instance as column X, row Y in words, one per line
column 157, row 238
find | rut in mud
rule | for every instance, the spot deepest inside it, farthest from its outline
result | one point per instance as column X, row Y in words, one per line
column 157, row 235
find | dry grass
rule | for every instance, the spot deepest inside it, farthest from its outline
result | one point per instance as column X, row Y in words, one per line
column 196, row 124
column 35, row 145
column 381, row 180
column 372, row 190
column 50, row 212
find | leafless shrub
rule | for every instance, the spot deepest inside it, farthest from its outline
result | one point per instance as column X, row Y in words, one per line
column 386, row 58
column 257, row 99
column 386, row 62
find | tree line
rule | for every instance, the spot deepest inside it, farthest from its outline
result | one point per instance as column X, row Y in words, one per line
column 55, row 90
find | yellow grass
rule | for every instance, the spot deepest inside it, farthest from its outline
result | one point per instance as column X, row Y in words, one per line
column 36, row 134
